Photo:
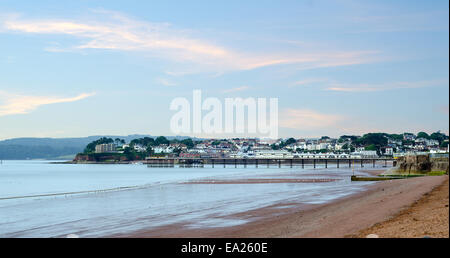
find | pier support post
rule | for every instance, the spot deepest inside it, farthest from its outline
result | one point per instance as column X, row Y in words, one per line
column 303, row 163
column 224, row 163
column 337, row 163
column 212, row 160
column 291, row 162
column 268, row 163
column 373, row 163
column 256, row 163
column 362, row 165
column 279, row 163
column 314, row 163
column 326, row 163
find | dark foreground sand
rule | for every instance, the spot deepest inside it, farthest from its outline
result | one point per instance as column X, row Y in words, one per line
column 350, row 216
column 428, row 217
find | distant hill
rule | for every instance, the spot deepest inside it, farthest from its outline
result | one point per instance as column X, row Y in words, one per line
column 54, row 148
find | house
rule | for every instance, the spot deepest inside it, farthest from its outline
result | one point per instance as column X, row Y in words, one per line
column 163, row 148
column 323, row 146
column 409, row 137
column 360, row 149
column 339, row 146
column 139, row 148
column 431, row 142
column 393, row 142
column 389, row 151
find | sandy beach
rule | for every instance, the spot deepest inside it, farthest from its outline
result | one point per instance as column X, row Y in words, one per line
column 427, row 217
column 384, row 204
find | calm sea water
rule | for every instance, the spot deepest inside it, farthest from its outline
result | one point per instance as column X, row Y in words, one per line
column 39, row 199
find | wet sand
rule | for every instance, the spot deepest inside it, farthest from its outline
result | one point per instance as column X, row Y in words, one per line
column 261, row 181
column 344, row 217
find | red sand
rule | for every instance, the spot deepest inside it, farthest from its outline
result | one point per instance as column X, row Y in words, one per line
column 427, row 217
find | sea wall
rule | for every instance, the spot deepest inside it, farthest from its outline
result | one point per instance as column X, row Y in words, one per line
column 99, row 157
column 421, row 164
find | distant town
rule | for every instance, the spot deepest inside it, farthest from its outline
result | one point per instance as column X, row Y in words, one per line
column 371, row 145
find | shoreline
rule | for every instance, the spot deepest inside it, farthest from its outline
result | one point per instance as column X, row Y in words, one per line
column 98, row 162
column 342, row 217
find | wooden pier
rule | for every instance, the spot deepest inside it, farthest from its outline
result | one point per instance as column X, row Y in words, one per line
column 267, row 162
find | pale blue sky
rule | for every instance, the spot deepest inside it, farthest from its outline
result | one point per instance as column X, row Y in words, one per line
column 79, row 68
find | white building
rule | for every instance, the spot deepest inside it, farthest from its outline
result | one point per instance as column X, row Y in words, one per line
column 163, row 149
column 389, row 151
column 339, row 146
column 139, row 148
column 409, row 137
column 366, row 154
column 359, row 149
column 105, row 148
column 273, row 154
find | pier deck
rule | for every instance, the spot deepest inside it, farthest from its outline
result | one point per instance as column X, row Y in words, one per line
column 261, row 162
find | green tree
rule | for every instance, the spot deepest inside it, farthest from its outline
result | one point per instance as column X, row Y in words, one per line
column 161, row 140
column 129, row 153
column 438, row 136
column 352, row 138
column 188, row 142
column 423, row 135
column 290, row 141
column 377, row 139
column 395, row 137
column 371, row 147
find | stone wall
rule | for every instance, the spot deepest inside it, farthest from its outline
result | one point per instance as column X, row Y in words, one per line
column 421, row 164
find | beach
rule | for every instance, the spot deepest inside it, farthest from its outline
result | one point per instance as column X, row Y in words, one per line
column 125, row 200
column 351, row 216
column 427, row 217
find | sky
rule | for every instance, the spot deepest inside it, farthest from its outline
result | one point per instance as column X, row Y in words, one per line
column 105, row 67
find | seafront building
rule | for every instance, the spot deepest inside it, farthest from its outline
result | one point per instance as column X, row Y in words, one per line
column 105, row 148
column 345, row 147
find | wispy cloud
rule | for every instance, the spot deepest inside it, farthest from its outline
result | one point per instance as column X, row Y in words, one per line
column 385, row 86
column 12, row 104
column 114, row 31
column 236, row 89
column 309, row 81
column 165, row 82
column 306, row 119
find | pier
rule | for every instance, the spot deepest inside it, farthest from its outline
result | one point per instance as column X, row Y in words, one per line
column 267, row 162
